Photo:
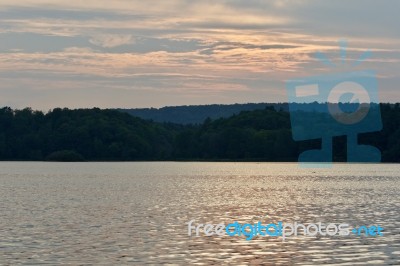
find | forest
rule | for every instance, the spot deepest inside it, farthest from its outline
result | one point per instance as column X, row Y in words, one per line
column 112, row 135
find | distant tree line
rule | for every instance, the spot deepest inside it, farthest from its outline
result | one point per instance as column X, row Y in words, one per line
column 196, row 114
column 111, row 135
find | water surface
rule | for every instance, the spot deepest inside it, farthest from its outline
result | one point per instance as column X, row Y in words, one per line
column 135, row 213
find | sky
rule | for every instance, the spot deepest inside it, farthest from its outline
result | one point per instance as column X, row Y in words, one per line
column 134, row 54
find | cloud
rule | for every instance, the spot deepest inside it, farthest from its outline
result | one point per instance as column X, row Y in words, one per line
column 111, row 40
column 182, row 51
column 79, row 50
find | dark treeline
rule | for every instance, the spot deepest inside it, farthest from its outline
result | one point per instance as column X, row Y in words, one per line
column 93, row 134
column 110, row 135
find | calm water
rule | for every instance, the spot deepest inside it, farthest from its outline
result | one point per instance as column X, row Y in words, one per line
column 135, row 213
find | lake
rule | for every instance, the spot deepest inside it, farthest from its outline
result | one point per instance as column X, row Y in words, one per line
column 136, row 213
